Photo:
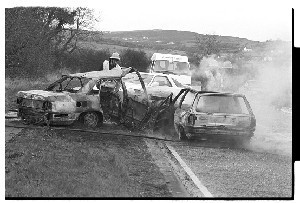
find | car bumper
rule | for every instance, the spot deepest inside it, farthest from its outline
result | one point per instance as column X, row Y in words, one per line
column 43, row 117
column 217, row 132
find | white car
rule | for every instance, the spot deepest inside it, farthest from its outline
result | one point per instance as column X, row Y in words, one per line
column 157, row 84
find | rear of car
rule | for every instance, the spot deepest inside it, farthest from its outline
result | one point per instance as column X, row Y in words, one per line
column 209, row 115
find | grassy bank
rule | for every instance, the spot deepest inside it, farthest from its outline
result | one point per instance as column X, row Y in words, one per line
column 12, row 86
column 43, row 163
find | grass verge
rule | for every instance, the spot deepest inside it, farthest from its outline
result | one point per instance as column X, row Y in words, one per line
column 50, row 163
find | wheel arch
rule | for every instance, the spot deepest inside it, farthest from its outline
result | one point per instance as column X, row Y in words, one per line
column 99, row 113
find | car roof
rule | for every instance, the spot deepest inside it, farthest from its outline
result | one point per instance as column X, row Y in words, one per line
column 114, row 73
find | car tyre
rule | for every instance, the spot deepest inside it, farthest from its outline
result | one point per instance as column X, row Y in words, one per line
column 181, row 133
column 91, row 119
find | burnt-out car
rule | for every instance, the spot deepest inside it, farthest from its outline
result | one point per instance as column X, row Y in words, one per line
column 68, row 99
column 88, row 97
column 134, row 109
column 206, row 114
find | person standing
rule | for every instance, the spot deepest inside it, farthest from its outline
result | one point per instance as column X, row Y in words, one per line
column 112, row 63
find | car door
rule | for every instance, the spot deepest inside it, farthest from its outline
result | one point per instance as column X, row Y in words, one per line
column 136, row 109
column 184, row 104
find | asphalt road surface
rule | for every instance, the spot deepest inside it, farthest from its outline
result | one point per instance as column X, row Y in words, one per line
column 236, row 173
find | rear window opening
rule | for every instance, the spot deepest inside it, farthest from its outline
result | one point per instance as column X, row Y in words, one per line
column 222, row 104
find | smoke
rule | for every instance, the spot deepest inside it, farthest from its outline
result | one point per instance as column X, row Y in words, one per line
column 265, row 77
column 269, row 91
column 276, row 82
column 217, row 74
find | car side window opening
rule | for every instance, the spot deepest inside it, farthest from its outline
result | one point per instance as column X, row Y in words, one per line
column 221, row 104
column 242, row 104
column 187, row 100
column 72, row 84
column 162, row 81
column 91, row 87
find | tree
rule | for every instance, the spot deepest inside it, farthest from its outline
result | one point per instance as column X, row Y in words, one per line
column 36, row 37
column 135, row 59
column 207, row 45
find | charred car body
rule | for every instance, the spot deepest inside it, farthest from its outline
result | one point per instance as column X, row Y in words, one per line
column 208, row 114
column 62, row 102
column 87, row 97
column 91, row 97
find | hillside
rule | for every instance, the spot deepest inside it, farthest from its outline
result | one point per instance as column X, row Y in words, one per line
column 168, row 40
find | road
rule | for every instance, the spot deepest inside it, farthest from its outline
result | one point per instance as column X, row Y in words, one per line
column 228, row 172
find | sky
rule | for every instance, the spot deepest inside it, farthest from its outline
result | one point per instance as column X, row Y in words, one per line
column 255, row 20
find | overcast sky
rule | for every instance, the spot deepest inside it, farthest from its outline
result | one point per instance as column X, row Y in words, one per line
column 255, row 20
column 249, row 19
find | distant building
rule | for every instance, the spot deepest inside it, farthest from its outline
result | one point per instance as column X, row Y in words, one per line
column 245, row 49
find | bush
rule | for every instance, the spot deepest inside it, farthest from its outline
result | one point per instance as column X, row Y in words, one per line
column 86, row 60
column 135, row 59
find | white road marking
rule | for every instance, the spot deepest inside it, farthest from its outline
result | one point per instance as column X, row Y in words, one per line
column 197, row 182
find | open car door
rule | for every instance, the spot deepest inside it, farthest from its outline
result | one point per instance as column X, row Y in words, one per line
column 119, row 105
column 136, row 109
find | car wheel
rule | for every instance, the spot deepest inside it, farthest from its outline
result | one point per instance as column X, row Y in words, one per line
column 91, row 119
column 181, row 133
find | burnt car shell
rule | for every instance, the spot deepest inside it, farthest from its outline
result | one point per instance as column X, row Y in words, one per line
column 136, row 110
column 105, row 96
column 62, row 102
column 210, row 115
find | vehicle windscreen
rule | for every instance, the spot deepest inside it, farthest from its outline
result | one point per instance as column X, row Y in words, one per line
column 165, row 65
column 222, row 104
column 181, row 66
column 70, row 84
column 133, row 78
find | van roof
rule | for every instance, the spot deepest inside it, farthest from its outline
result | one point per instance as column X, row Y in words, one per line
column 169, row 57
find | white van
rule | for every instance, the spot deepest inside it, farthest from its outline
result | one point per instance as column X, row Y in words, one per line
column 172, row 64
